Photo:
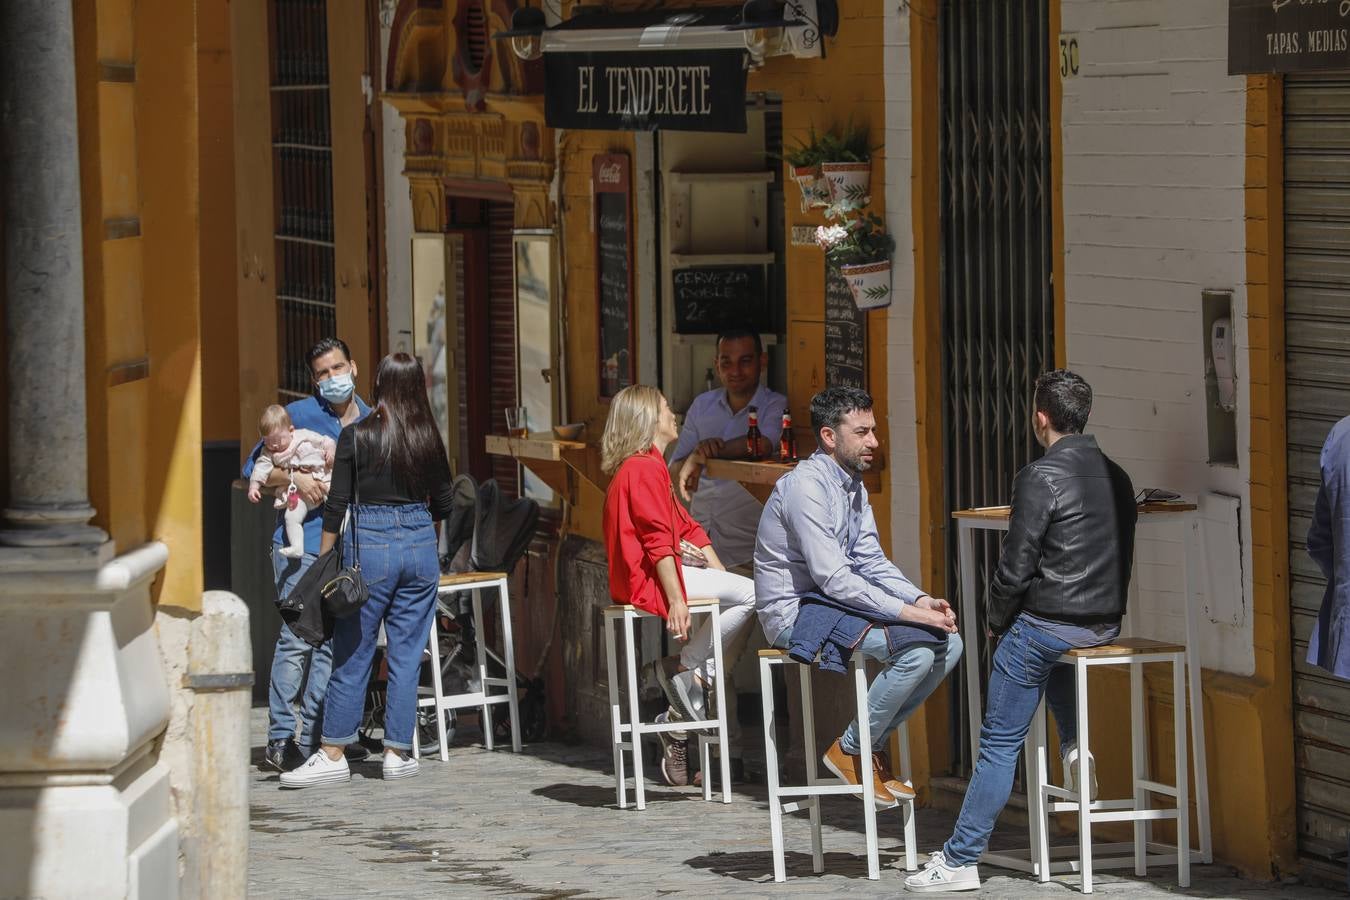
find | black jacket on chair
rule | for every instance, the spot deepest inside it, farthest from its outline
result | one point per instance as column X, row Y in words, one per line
column 1070, row 543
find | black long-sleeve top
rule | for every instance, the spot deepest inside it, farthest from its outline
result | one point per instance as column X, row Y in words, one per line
column 379, row 485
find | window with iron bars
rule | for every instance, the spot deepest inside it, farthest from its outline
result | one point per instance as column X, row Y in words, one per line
column 302, row 178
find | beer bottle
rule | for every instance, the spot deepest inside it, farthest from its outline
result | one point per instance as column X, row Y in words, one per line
column 752, row 435
column 787, row 444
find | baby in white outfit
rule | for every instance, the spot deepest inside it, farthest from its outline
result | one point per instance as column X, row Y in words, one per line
column 292, row 450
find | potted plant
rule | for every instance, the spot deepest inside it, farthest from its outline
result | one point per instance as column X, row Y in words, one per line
column 847, row 163
column 858, row 246
column 804, row 163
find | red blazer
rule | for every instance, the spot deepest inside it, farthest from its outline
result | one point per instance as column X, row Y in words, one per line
column 644, row 524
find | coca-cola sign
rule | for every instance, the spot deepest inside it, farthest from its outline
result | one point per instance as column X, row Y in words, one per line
column 684, row 90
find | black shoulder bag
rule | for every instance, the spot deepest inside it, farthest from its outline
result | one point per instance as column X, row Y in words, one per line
column 329, row 589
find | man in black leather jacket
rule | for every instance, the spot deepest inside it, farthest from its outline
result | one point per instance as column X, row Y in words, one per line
column 1061, row 583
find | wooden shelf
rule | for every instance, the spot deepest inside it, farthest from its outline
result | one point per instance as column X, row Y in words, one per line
column 747, row 472
column 682, row 260
column 557, row 463
column 996, row 513
column 536, row 446
column 760, row 177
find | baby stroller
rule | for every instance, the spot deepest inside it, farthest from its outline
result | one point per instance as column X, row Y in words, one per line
column 484, row 532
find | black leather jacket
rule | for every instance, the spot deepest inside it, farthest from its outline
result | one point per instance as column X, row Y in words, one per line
column 1070, row 543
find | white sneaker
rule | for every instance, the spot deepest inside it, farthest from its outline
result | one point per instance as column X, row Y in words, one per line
column 398, row 766
column 316, row 770
column 1071, row 769
column 936, row 875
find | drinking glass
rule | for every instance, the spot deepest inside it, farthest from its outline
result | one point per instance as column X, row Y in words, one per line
column 517, row 425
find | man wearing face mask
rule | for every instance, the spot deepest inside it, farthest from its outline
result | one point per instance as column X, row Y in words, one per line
column 300, row 671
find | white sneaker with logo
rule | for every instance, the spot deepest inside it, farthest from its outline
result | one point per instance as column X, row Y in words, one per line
column 316, row 770
column 937, row 876
column 397, row 765
column 1071, row 771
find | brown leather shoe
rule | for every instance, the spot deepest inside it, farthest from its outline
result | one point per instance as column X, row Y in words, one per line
column 881, row 763
column 849, row 768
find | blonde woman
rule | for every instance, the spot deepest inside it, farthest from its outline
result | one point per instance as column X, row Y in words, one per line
column 659, row 557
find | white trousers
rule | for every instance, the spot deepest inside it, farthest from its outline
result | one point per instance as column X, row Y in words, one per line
column 736, row 600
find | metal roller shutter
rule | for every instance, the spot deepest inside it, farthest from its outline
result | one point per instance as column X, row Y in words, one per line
column 1317, row 322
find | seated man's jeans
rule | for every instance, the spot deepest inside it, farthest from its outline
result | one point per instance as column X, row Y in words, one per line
column 1025, row 668
column 909, row 676
column 299, row 670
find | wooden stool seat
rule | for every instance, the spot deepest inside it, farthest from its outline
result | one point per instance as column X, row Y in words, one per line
column 1127, row 647
column 772, row 653
column 456, row 578
column 615, row 609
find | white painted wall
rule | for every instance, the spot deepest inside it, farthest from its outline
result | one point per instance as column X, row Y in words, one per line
column 906, row 529
column 1154, row 165
column 398, row 220
column 1153, row 148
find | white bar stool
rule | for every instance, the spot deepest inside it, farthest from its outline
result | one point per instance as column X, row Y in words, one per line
column 477, row 582
column 816, row 786
column 1044, row 798
column 710, row 730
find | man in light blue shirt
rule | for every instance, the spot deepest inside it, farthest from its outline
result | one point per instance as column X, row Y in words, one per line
column 300, row 672
column 818, row 539
column 714, row 428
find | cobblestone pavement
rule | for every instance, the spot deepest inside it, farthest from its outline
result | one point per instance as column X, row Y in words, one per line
column 544, row 824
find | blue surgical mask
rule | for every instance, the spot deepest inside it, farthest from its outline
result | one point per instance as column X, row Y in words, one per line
column 337, row 388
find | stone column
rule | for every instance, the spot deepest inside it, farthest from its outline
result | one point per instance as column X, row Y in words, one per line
column 44, row 279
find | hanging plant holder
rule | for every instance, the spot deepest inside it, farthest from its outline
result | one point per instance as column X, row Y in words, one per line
column 851, row 181
column 870, row 283
column 815, row 190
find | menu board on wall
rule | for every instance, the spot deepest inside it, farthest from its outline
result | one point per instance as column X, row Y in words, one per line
column 614, row 272
column 709, row 299
column 845, row 335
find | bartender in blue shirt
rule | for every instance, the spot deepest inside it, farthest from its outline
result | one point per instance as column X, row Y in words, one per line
column 299, row 671
column 714, row 428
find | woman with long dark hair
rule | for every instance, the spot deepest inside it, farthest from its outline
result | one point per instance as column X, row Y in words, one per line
column 404, row 487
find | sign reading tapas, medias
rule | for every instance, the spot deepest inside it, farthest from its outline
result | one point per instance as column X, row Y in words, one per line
column 1288, row 36
column 695, row 90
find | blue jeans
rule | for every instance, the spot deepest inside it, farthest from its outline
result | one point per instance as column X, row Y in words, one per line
column 299, row 670
column 1025, row 668
column 402, row 570
column 909, row 676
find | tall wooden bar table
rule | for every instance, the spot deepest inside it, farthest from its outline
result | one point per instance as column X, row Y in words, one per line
column 995, row 518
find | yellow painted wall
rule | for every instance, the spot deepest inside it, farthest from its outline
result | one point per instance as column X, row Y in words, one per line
column 167, row 151
column 136, row 66
column 215, row 154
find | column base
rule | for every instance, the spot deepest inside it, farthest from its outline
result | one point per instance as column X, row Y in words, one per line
column 116, row 839
column 50, row 526
column 86, row 807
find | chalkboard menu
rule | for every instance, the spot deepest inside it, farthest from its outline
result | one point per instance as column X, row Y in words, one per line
column 845, row 335
column 708, row 299
column 614, row 272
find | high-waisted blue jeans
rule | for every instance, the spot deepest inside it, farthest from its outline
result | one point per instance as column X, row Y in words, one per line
column 402, row 570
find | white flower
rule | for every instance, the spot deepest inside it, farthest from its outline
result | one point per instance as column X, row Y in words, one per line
column 829, row 235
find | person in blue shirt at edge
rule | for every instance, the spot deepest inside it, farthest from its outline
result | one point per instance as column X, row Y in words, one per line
column 1062, row 581
column 823, row 585
column 299, row 671
column 715, row 428
column 1328, row 544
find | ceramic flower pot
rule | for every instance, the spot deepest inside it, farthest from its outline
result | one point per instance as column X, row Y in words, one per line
column 815, row 190
column 847, row 180
column 870, row 283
